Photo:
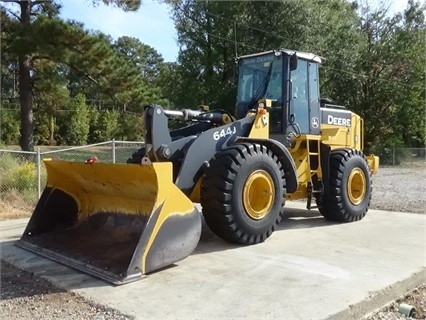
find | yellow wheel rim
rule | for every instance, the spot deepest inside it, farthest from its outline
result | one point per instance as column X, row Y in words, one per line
column 258, row 194
column 356, row 186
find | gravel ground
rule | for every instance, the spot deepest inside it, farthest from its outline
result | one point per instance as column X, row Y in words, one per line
column 400, row 189
column 24, row 296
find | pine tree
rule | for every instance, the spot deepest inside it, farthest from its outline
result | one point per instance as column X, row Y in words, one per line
column 34, row 32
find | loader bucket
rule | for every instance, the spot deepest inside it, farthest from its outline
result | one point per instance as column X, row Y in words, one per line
column 114, row 221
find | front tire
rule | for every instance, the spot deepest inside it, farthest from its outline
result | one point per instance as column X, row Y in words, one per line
column 242, row 193
column 350, row 187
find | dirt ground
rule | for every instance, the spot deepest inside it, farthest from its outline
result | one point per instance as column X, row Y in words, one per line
column 24, row 296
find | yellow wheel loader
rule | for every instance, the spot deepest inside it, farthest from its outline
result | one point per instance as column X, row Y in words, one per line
column 121, row 221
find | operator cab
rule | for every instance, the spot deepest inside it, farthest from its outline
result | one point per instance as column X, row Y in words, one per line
column 290, row 80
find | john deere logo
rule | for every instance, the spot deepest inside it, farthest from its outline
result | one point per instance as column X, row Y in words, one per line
column 338, row 121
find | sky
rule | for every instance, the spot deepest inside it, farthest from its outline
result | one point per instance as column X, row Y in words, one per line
column 151, row 24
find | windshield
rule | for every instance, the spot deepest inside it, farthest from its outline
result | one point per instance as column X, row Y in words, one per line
column 259, row 77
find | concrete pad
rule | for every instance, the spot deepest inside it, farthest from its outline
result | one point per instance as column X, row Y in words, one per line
column 309, row 269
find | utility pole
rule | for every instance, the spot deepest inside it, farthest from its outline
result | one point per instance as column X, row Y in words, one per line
column 235, row 39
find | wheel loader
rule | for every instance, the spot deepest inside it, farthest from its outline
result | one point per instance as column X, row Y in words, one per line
column 120, row 222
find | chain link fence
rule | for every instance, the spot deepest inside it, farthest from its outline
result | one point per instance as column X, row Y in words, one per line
column 23, row 175
column 403, row 156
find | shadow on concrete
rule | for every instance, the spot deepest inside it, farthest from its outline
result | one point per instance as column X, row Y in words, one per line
column 292, row 219
column 303, row 219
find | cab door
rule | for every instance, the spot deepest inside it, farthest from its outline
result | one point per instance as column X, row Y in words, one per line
column 304, row 99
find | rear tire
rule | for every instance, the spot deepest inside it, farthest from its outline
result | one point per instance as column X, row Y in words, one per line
column 350, row 188
column 242, row 193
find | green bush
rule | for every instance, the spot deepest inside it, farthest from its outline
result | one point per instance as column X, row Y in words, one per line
column 8, row 162
column 24, row 177
column 15, row 174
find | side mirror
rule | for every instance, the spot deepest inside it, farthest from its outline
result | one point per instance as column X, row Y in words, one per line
column 293, row 62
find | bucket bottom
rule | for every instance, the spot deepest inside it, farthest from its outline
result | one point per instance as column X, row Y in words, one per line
column 105, row 241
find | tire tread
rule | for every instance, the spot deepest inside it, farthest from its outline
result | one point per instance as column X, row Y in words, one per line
column 217, row 193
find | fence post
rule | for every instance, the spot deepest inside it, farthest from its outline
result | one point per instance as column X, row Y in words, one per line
column 38, row 173
column 113, row 150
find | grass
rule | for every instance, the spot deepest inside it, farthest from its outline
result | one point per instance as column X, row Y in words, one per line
column 15, row 204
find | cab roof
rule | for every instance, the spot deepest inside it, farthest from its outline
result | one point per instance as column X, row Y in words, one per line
column 300, row 54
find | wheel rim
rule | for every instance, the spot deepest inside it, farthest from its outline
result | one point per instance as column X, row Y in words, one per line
column 258, row 194
column 356, row 186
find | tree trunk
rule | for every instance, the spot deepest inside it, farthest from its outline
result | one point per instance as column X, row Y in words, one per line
column 25, row 88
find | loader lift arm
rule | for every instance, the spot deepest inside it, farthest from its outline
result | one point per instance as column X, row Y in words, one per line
column 191, row 148
column 189, row 153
